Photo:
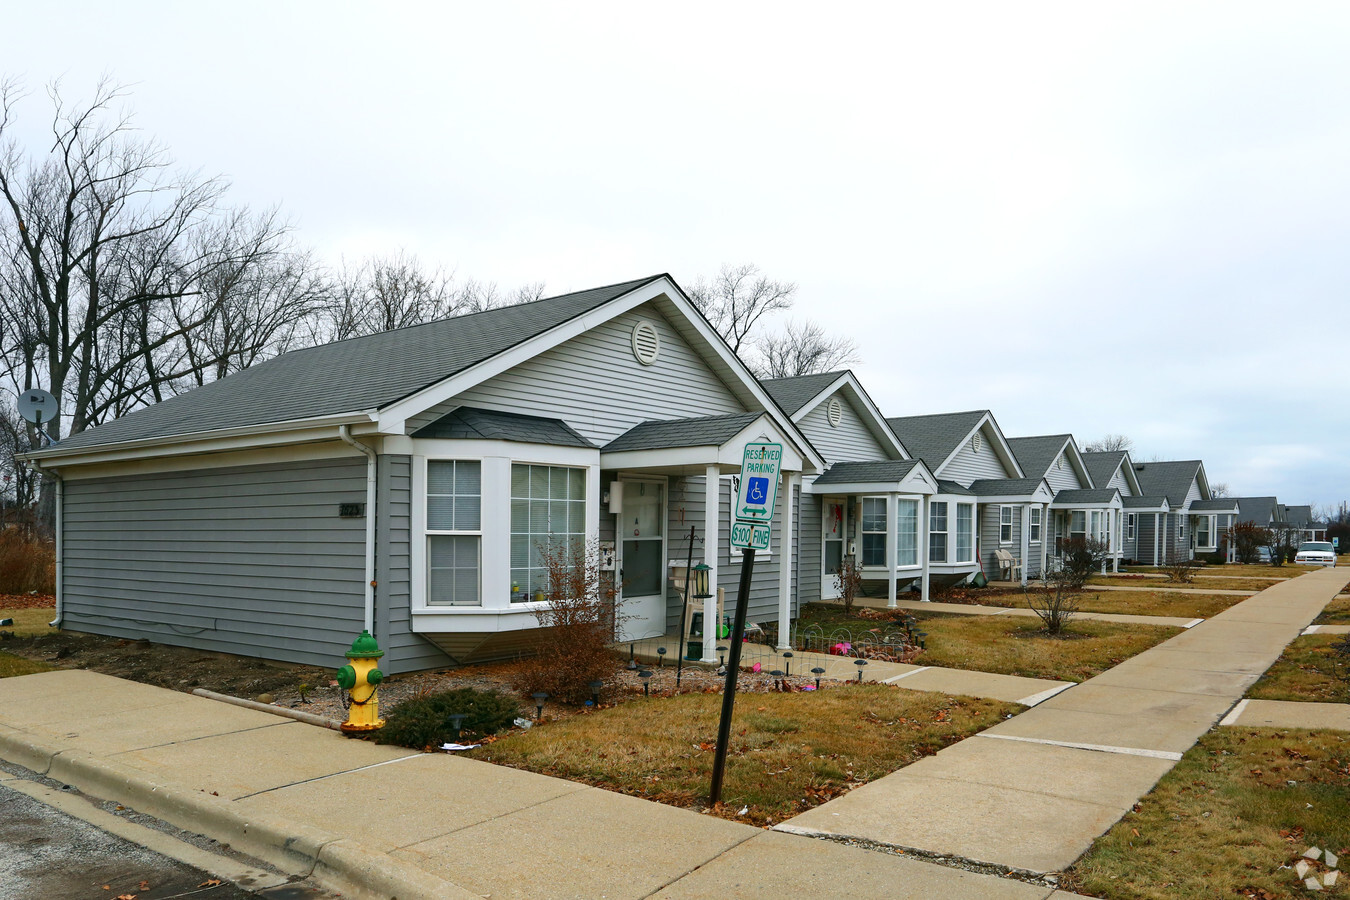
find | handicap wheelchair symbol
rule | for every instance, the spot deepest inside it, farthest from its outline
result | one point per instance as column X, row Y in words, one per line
column 757, row 492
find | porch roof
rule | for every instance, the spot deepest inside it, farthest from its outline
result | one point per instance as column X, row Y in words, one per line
column 1008, row 488
column 665, row 434
column 877, row 476
column 690, row 445
column 1224, row 505
column 1146, row 504
column 470, row 423
column 951, row 487
column 1087, row 498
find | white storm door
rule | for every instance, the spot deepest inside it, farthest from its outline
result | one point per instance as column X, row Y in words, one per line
column 832, row 546
column 642, row 560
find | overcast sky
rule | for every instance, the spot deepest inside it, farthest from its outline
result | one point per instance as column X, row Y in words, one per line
column 1094, row 218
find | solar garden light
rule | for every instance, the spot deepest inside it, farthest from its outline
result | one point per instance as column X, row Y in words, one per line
column 457, row 722
column 860, row 663
column 646, row 676
column 777, row 676
column 923, row 645
column 632, row 663
column 595, row 687
column 539, row 698
column 660, row 657
column 817, row 671
column 722, row 657
column 787, row 663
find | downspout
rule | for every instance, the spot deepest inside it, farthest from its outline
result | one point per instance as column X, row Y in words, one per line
column 345, row 433
column 60, row 540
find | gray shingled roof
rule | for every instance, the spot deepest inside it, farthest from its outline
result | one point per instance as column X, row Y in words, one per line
column 1005, row 487
column 1171, row 479
column 793, row 393
column 882, row 471
column 350, row 376
column 1298, row 516
column 1227, row 504
column 468, row 422
column 933, row 438
column 1102, row 466
column 952, row 487
column 1086, row 495
column 1260, row 510
column 1143, row 502
column 704, row 431
column 1038, row 453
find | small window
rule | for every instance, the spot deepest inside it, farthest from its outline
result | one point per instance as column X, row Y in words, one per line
column 1005, row 524
column 874, row 531
column 1035, row 525
column 646, row 342
column 834, row 412
column 1129, row 527
column 937, row 532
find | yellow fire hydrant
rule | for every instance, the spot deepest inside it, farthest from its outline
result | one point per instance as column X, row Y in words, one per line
column 360, row 679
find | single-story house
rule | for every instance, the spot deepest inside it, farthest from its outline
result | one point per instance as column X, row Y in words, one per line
column 1182, row 482
column 1079, row 507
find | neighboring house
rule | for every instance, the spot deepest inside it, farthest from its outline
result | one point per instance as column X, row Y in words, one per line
column 1182, row 483
column 409, row 482
column 1080, row 507
column 1210, row 521
column 984, row 501
column 1114, row 469
column 1300, row 518
column 872, row 504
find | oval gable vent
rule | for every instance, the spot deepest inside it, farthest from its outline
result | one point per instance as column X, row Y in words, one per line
column 834, row 412
column 976, row 442
column 646, row 342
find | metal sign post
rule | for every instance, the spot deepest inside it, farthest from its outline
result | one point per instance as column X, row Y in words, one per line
column 751, row 531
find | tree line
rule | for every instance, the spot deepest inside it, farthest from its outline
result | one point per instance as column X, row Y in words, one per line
column 126, row 279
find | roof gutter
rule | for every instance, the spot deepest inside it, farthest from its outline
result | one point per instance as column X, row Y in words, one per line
column 345, row 433
column 60, row 537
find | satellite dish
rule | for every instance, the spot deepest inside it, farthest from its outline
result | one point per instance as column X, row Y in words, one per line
column 37, row 406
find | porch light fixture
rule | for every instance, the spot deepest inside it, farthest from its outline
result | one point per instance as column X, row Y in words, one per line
column 595, row 687
column 860, row 663
column 701, row 581
column 817, row 671
column 646, row 676
column 787, row 663
column 457, row 722
column 539, row 698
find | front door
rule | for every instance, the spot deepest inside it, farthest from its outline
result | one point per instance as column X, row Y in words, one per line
column 642, row 560
column 832, row 551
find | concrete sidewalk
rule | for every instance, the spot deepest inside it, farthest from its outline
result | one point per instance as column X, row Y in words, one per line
column 1327, row 629
column 1289, row 714
column 380, row 822
column 1032, row 793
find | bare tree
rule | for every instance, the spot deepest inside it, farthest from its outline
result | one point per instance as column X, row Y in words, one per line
column 1219, row 490
column 18, row 484
column 738, row 298
column 802, row 349
column 1109, row 443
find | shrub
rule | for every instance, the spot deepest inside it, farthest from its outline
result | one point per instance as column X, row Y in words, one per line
column 850, row 582
column 424, row 721
column 1057, row 602
column 1082, row 557
column 27, row 563
column 577, row 626
column 1179, row 569
column 1248, row 539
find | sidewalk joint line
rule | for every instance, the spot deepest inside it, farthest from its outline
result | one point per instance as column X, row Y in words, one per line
column 894, row 678
column 1235, row 713
column 1099, row 748
column 1042, row 696
column 706, row 862
column 502, row 815
column 202, row 737
column 329, row 775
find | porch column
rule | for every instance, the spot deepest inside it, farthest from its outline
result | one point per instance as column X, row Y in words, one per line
column 1157, row 538
column 712, row 519
column 1026, row 541
column 892, row 542
column 1045, row 539
column 785, row 564
column 923, row 546
column 1115, row 539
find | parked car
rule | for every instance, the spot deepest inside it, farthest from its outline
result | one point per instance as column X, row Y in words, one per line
column 1316, row 553
column 1264, row 555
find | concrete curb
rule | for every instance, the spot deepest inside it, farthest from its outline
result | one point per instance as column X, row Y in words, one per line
column 330, row 859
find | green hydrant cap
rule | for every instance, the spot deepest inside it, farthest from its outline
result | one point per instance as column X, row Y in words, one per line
column 365, row 647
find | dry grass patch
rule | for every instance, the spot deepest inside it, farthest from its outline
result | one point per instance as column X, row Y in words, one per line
column 11, row 666
column 789, row 752
column 1303, row 672
column 1234, row 569
column 1241, row 805
column 1182, row 604
column 1200, row 582
column 1337, row 612
column 29, row 622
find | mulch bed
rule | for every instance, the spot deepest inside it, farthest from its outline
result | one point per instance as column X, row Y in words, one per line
column 27, row 601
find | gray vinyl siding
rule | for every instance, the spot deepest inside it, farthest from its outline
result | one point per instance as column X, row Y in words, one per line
column 808, row 550
column 1065, row 479
column 595, row 384
column 1146, row 537
column 1129, row 548
column 989, row 534
column 970, row 465
column 1120, row 482
column 850, row 440
column 252, row 560
column 404, row 650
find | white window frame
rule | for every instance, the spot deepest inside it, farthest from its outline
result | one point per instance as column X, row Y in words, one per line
column 1035, row 525
column 1069, row 526
column 1005, row 520
column 918, row 532
column 1209, row 532
column 885, row 531
column 956, row 545
column 943, row 534
column 511, row 498
column 1130, row 526
column 428, row 533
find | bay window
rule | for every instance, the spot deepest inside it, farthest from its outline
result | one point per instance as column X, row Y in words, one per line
column 548, row 515
column 874, row 531
column 1078, row 524
column 965, row 532
column 907, row 545
column 454, row 533
column 937, row 531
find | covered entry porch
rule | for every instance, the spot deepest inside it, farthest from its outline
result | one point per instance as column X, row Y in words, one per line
column 1091, row 513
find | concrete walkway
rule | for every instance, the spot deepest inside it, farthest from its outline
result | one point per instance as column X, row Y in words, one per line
column 375, row 821
column 1289, row 714
column 1032, row 793
column 1327, row 629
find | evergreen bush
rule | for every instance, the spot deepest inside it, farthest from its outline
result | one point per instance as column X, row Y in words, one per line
column 424, row 721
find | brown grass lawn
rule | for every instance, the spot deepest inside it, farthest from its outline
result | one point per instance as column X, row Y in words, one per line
column 1011, row 646
column 1304, row 672
column 1200, row 583
column 789, row 752
column 29, row 622
column 1337, row 612
column 1237, row 569
column 1240, row 806
column 1190, row 605
column 17, row 665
